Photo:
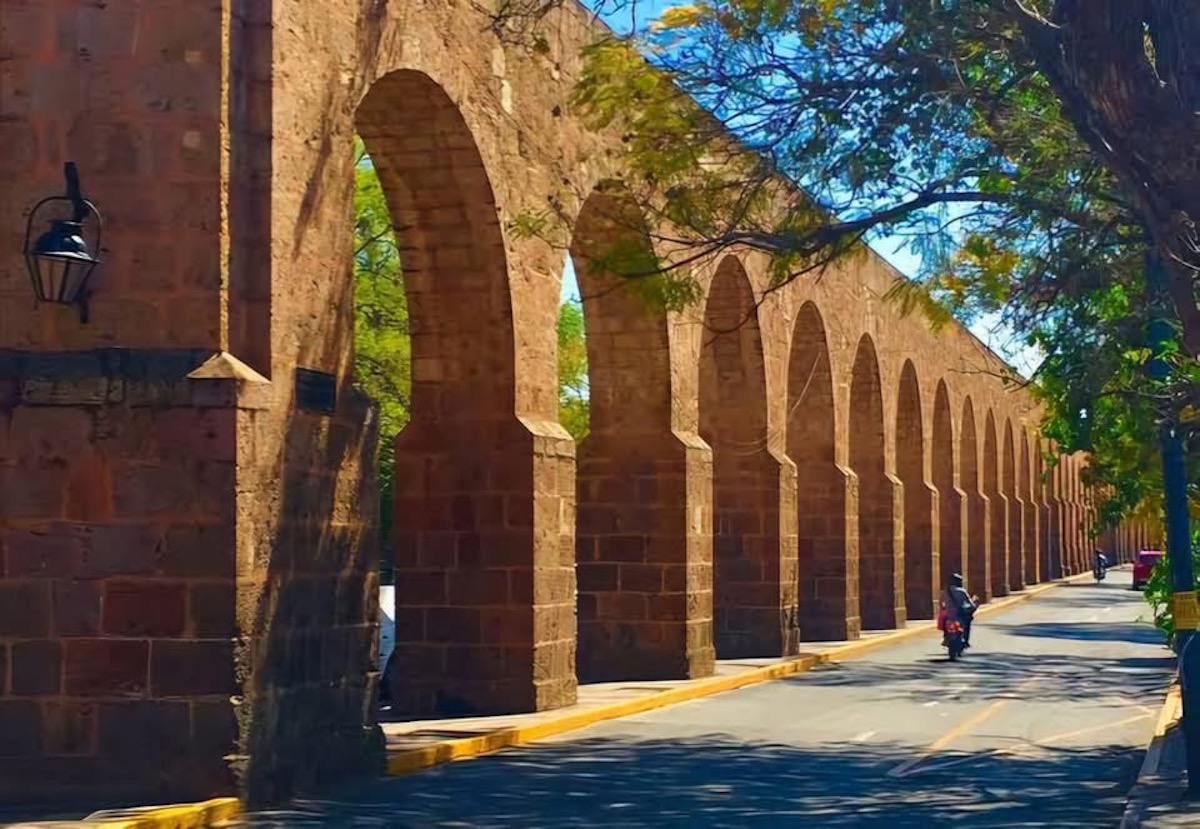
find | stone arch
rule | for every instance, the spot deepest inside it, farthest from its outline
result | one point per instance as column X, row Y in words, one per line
column 1017, row 539
column 950, row 495
column 975, row 554
column 828, row 587
column 920, row 557
column 877, row 582
column 997, row 522
column 465, row 494
column 636, row 559
column 754, row 589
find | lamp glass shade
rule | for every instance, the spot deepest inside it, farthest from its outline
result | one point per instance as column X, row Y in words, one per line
column 60, row 263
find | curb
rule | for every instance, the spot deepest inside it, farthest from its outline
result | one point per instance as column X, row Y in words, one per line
column 1148, row 777
column 178, row 816
column 419, row 759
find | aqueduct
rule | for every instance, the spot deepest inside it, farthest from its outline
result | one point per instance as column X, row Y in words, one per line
column 188, row 564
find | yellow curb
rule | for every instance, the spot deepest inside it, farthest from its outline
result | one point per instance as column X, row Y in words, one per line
column 1171, row 712
column 179, row 816
column 417, row 759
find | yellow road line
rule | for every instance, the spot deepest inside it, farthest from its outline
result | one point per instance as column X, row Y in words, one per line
column 947, row 738
column 1029, row 746
column 1098, row 727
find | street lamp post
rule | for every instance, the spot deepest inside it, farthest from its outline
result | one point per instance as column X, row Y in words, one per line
column 1179, row 536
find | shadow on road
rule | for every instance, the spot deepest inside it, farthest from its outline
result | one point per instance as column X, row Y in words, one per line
column 713, row 782
column 1063, row 677
column 1086, row 631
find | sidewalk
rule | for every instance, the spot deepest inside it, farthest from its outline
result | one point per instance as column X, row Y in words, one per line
column 1157, row 800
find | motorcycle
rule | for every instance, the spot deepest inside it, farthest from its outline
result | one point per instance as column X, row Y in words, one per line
column 954, row 640
column 1100, row 568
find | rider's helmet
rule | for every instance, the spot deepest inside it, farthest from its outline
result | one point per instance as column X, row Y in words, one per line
column 956, row 579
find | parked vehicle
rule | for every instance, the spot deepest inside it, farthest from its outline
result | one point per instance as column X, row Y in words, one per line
column 1143, row 566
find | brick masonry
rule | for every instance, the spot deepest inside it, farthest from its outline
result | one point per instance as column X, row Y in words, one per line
column 188, row 581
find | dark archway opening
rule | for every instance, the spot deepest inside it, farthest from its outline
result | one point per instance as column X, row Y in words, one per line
column 828, row 600
column 752, row 599
column 950, row 500
column 920, row 573
column 878, row 586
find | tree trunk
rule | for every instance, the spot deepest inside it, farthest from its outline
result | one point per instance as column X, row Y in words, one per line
column 1136, row 102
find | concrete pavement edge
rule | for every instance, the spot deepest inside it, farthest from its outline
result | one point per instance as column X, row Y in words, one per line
column 408, row 761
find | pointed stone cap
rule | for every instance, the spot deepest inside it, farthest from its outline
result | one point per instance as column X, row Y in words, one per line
column 244, row 388
column 224, row 366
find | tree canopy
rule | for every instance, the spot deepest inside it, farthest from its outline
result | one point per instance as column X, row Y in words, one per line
column 1031, row 152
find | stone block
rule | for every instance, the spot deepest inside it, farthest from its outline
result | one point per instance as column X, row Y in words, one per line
column 211, row 606
column 106, row 667
column 36, row 668
column 51, row 550
column 24, row 609
column 77, row 606
column 145, row 608
column 21, row 725
column 70, row 728
column 144, row 733
column 191, row 667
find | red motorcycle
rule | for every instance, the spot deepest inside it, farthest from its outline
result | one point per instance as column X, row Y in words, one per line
column 954, row 639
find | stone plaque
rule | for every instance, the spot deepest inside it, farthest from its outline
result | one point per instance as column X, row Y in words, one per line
column 316, row 391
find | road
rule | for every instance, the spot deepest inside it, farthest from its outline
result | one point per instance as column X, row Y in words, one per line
column 1043, row 724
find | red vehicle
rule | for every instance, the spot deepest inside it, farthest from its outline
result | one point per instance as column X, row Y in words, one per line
column 1143, row 566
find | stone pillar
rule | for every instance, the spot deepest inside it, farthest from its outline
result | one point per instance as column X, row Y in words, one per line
column 644, row 550
column 979, row 545
column 755, row 611
column 1018, row 544
column 485, row 616
column 828, row 554
column 1055, row 523
column 922, row 567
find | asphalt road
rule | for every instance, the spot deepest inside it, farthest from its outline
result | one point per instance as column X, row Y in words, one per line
column 1043, row 724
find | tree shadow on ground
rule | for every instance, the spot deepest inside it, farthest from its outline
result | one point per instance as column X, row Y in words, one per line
column 1086, row 631
column 714, row 782
column 1064, row 677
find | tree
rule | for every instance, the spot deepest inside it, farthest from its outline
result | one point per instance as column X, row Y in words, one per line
column 573, row 410
column 382, row 346
column 1000, row 137
column 1051, row 132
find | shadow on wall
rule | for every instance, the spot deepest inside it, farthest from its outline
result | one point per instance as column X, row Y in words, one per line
column 713, row 781
column 312, row 663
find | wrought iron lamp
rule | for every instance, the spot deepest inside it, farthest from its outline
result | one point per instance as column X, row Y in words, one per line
column 60, row 261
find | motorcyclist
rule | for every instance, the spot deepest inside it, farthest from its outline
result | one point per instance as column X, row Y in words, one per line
column 960, row 606
column 1100, row 564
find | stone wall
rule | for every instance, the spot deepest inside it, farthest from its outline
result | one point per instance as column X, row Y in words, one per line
column 187, row 599
column 117, row 575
